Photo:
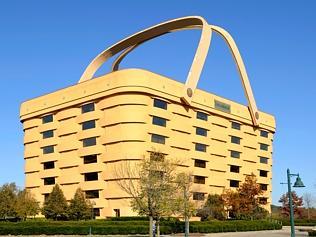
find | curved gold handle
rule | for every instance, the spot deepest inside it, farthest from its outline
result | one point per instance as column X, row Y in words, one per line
column 193, row 22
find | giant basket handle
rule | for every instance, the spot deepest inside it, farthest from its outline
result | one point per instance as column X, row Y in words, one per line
column 191, row 22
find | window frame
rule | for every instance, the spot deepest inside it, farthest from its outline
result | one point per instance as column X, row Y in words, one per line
column 157, row 121
column 264, row 147
column 86, row 124
column 266, row 160
column 231, row 181
column 235, row 140
column 46, row 182
column 161, row 104
column 201, row 145
column 48, row 134
column 48, row 116
column 201, row 131
column 198, row 196
column 48, row 149
column 156, row 138
column 202, row 116
column 86, row 109
column 95, row 159
column 85, row 141
column 235, row 152
column 264, row 133
column 48, row 163
column 92, row 196
column 198, row 179
column 232, row 167
column 236, row 125
column 89, row 179
column 199, row 163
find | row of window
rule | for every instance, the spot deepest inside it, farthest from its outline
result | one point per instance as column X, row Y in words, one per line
column 86, row 160
column 202, row 163
column 84, row 109
column 198, row 196
column 199, row 115
column 233, row 168
column 91, row 141
column 91, row 176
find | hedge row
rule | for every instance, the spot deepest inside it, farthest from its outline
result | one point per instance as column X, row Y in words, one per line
column 129, row 227
column 299, row 222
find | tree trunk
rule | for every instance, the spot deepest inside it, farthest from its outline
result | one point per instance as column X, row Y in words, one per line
column 158, row 227
column 150, row 226
column 186, row 227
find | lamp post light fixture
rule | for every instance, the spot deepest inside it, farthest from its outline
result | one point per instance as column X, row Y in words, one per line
column 298, row 184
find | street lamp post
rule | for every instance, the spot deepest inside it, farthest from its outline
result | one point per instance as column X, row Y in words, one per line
column 298, row 184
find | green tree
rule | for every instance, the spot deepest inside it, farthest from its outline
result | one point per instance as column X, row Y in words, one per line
column 26, row 204
column 150, row 184
column 8, row 199
column 183, row 204
column 55, row 207
column 213, row 208
column 79, row 207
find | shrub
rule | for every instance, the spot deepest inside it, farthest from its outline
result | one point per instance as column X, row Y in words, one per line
column 102, row 227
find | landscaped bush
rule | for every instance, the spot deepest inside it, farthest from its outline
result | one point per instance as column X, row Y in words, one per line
column 312, row 233
column 102, row 227
column 299, row 222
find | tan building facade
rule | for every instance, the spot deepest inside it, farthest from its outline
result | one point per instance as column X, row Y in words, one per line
column 75, row 136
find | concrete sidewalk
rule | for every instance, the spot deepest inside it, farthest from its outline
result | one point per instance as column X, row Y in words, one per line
column 286, row 231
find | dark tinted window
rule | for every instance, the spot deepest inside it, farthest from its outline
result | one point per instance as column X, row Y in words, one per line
column 92, row 141
column 200, row 147
column 235, row 140
column 234, row 183
column 159, row 121
column 264, row 187
column 236, row 125
column 48, row 134
column 199, row 179
column 49, row 165
column 160, row 104
column 158, row 138
column 263, row 173
column 263, row 200
column 201, row 132
column 235, row 154
column 198, row 196
column 264, row 147
column 96, row 211
column 88, row 125
column 87, row 108
column 200, row 163
column 92, row 194
column 264, row 133
column 264, row 160
column 91, row 176
column 117, row 212
column 90, row 159
column 49, row 181
column 234, row 168
column 201, row 115
column 48, row 118
column 48, row 149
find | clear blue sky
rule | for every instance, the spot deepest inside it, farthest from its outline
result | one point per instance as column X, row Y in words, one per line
column 46, row 45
